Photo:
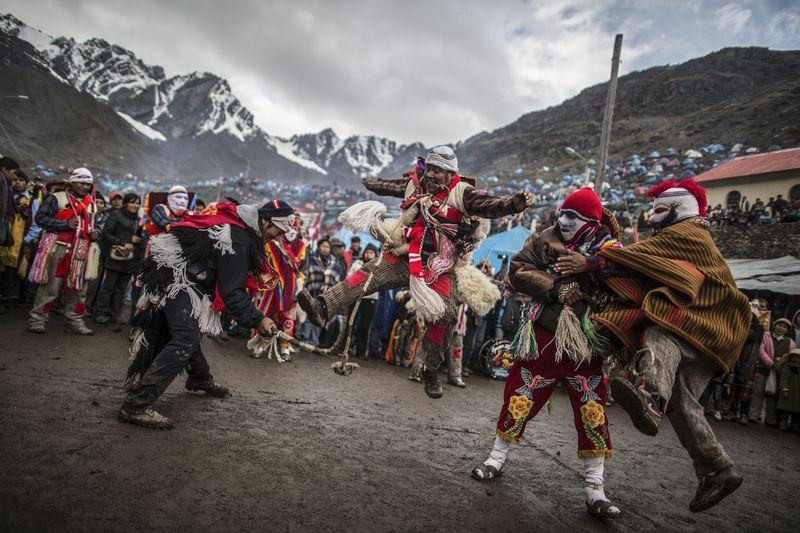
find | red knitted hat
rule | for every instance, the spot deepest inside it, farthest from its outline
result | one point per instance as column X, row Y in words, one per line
column 584, row 202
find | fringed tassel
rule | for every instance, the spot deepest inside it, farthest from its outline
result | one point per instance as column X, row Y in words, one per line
column 570, row 338
column 597, row 342
column 365, row 216
column 93, row 262
column 260, row 346
column 524, row 346
column 207, row 318
column 166, row 251
column 429, row 304
column 221, row 237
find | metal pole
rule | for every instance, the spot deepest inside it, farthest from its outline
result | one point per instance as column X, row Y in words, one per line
column 605, row 136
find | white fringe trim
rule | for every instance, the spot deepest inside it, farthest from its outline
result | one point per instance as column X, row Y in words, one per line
column 221, row 236
column 92, row 262
column 429, row 304
column 166, row 252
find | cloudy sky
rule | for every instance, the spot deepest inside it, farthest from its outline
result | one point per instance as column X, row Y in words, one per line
column 412, row 70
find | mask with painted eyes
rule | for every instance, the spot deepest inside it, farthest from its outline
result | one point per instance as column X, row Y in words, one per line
column 290, row 235
column 574, row 227
column 178, row 202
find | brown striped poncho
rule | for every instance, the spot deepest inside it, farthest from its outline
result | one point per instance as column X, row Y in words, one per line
column 685, row 286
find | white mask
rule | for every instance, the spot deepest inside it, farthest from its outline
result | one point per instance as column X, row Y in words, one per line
column 672, row 206
column 568, row 225
column 290, row 235
column 178, row 202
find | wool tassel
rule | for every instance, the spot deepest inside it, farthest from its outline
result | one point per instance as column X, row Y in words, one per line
column 570, row 339
column 259, row 346
column 429, row 304
column 93, row 262
column 365, row 216
column 221, row 236
column 597, row 342
column 524, row 346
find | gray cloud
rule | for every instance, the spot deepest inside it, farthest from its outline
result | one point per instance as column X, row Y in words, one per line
column 435, row 71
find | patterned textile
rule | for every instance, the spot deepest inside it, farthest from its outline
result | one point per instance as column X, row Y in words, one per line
column 530, row 384
column 323, row 272
column 685, row 286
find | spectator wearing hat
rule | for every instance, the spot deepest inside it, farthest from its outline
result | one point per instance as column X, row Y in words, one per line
column 354, row 252
column 62, row 259
column 323, row 273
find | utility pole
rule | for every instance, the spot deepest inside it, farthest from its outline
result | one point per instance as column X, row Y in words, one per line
column 605, row 135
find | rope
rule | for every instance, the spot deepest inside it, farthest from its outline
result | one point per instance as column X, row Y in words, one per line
column 343, row 367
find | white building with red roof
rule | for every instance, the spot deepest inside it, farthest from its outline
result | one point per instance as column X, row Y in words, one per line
column 759, row 176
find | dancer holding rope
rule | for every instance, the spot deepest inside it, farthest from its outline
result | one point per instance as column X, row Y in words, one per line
column 437, row 230
column 205, row 264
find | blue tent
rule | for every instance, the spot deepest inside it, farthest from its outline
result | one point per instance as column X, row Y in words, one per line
column 508, row 243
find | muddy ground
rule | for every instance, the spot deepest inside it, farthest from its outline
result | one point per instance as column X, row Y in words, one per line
column 299, row 448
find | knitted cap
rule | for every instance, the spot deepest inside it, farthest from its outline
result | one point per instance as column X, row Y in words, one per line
column 443, row 157
column 584, row 202
column 275, row 208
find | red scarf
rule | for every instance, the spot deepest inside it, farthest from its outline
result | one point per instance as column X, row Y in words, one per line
column 416, row 233
column 225, row 213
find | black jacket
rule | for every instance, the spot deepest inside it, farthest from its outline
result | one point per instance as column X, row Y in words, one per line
column 211, row 269
column 118, row 230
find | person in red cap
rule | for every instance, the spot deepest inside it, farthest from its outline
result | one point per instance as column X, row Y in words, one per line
column 681, row 319
column 557, row 343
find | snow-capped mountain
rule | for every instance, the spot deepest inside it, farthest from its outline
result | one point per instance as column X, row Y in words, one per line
column 183, row 112
column 358, row 155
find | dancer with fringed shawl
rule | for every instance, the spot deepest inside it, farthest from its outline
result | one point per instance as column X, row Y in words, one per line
column 558, row 343
column 681, row 319
column 204, row 264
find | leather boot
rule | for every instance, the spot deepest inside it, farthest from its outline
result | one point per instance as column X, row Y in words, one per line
column 314, row 308
column 430, row 378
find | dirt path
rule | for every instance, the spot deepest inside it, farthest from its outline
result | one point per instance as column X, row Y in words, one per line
column 299, row 448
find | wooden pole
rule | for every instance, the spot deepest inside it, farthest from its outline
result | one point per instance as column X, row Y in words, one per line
column 605, row 135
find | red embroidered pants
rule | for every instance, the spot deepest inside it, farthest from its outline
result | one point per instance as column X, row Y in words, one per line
column 530, row 384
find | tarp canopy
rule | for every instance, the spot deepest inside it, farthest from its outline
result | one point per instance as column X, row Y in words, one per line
column 505, row 243
column 780, row 275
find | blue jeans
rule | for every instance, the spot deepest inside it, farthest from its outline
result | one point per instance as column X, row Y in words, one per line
column 714, row 388
column 310, row 332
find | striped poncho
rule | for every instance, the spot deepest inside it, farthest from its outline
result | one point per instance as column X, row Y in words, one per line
column 683, row 284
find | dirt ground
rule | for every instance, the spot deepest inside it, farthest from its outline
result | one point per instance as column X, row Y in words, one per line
column 299, row 448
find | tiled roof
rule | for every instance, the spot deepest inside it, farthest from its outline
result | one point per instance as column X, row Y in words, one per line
column 752, row 165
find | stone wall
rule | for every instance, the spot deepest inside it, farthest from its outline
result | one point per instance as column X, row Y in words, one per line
column 761, row 241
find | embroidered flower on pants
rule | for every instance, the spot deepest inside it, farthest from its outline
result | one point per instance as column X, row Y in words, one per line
column 592, row 414
column 519, row 406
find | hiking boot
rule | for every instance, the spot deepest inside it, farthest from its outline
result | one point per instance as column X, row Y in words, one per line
column 37, row 328
column 78, row 329
column 717, row 416
column 314, row 308
column 638, row 403
column 102, row 319
column 209, row 387
column 743, row 420
column 149, row 418
column 430, row 377
column 714, row 487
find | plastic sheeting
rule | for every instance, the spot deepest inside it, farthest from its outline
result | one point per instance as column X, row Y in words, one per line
column 781, row 275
